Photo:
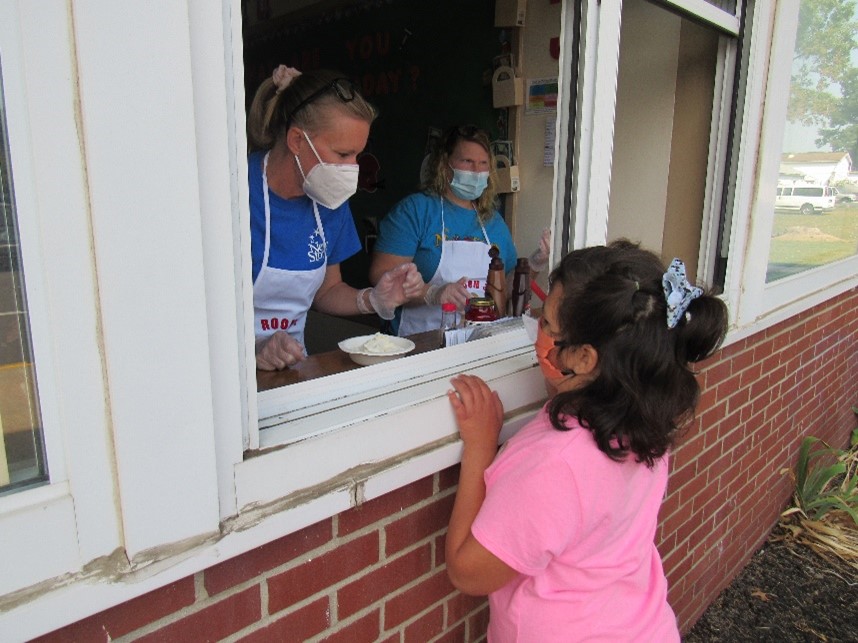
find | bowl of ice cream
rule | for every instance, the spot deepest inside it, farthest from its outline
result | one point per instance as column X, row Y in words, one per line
column 373, row 349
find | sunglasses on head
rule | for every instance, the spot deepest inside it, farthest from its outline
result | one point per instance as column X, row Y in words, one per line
column 343, row 87
column 468, row 132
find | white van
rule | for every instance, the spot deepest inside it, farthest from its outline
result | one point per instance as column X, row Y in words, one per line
column 807, row 199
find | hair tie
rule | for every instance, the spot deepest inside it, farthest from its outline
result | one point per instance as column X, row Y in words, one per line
column 678, row 293
column 283, row 77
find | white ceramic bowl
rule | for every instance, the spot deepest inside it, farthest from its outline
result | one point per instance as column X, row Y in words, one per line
column 354, row 346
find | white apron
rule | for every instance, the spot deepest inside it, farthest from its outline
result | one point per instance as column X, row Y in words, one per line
column 458, row 259
column 281, row 298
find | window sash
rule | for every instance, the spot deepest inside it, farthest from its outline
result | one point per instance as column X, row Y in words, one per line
column 708, row 13
column 752, row 300
column 47, row 530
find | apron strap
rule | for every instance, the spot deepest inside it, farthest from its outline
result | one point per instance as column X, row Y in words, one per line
column 267, row 200
column 482, row 227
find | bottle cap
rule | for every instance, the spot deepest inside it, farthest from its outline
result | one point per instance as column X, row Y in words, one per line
column 448, row 307
column 496, row 262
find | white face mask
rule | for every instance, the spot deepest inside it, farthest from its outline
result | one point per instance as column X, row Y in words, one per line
column 329, row 184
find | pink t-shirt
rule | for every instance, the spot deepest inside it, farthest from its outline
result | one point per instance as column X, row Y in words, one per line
column 580, row 529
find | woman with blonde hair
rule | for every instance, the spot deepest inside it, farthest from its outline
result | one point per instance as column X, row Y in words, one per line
column 448, row 229
column 306, row 131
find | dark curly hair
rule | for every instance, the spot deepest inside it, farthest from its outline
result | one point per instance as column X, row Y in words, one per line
column 644, row 391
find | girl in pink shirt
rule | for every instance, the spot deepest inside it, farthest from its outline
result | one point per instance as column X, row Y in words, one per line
column 558, row 527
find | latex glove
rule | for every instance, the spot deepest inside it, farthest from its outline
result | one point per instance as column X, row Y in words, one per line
column 454, row 292
column 539, row 258
column 395, row 287
column 413, row 284
column 278, row 351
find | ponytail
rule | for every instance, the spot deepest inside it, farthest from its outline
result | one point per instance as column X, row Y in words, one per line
column 614, row 299
column 292, row 98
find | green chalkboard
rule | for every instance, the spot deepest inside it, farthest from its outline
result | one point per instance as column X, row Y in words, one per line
column 422, row 63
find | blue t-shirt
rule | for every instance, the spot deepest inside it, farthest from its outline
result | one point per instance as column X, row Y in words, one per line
column 295, row 242
column 413, row 229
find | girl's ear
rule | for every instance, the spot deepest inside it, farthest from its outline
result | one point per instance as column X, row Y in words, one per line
column 294, row 139
column 584, row 359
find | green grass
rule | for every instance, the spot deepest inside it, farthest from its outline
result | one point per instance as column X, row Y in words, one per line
column 788, row 256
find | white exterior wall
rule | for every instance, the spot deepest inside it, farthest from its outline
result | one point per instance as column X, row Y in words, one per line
column 126, row 131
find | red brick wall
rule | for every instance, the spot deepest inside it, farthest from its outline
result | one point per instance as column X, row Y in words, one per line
column 761, row 396
column 377, row 572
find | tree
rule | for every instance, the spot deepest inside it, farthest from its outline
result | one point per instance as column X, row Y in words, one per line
column 824, row 88
column 842, row 132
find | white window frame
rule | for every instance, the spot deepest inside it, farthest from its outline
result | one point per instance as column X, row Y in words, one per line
column 761, row 303
column 172, row 431
column 753, row 304
column 126, row 399
column 47, row 531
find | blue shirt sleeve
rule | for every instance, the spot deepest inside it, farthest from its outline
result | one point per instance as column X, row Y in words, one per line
column 412, row 229
column 400, row 232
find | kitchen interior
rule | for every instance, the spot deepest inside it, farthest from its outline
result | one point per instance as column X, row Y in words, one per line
column 424, row 66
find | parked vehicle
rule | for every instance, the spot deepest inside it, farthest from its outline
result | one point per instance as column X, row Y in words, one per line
column 842, row 197
column 807, row 199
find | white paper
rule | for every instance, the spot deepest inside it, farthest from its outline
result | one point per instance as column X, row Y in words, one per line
column 550, row 136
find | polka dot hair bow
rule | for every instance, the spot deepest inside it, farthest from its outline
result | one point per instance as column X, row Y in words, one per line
column 677, row 292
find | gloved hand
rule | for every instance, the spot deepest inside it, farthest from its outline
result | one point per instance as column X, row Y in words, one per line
column 395, row 287
column 539, row 258
column 454, row 292
column 278, row 351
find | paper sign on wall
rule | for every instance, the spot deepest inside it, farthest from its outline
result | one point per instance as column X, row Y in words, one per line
column 550, row 136
column 541, row 95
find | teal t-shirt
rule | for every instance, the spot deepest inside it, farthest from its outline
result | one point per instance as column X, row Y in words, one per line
column 413, row 229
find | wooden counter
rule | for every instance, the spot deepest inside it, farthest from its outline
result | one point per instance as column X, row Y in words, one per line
column 329, row 363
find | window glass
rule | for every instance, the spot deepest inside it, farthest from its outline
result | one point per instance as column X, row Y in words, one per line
column 22, row 458
column 816, row 207
column 725, row 5
column 662, row 171
column 425, row 67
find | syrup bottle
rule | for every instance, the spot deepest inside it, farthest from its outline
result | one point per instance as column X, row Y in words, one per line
column 521, row 287
column 496, row 281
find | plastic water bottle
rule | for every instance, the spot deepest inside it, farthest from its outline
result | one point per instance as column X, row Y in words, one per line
column 448, row 319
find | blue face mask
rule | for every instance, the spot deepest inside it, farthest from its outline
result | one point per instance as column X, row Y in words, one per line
column 468, row 185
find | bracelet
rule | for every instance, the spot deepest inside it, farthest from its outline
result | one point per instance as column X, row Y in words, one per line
column 361, row 304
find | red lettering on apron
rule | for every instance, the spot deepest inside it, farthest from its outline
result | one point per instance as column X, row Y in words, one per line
column 276, row 323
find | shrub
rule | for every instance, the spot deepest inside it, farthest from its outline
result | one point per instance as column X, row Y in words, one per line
column 824, row 514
